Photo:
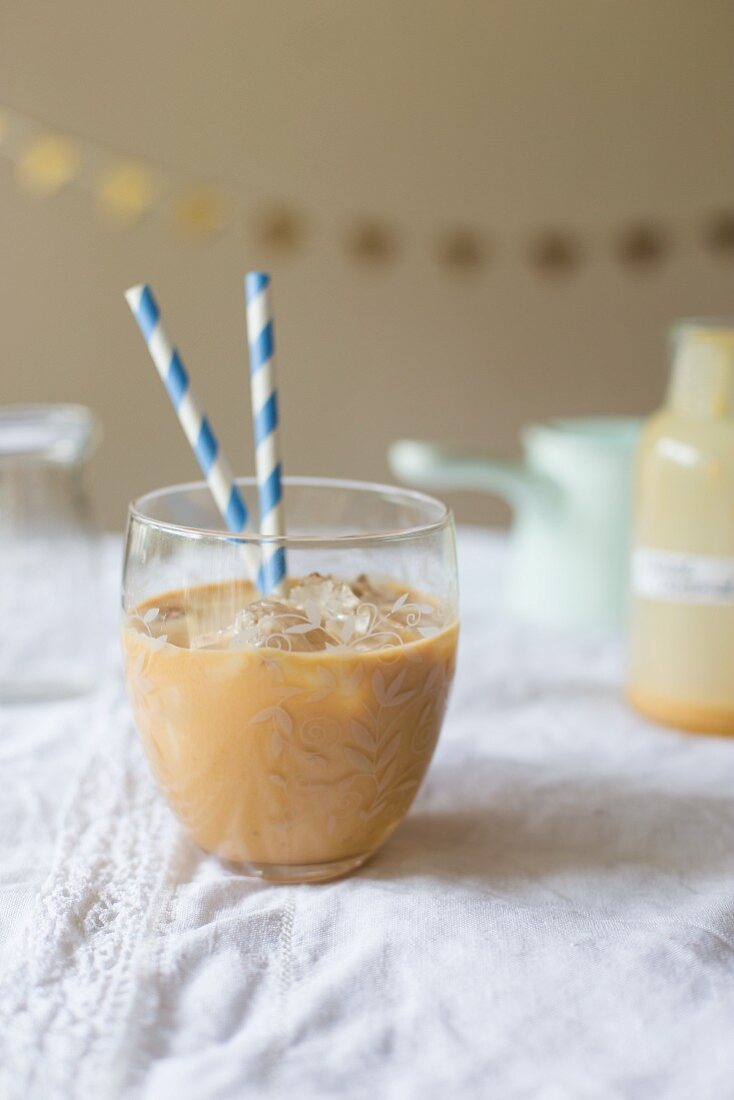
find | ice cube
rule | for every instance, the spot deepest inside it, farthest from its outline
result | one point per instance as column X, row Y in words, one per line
column 367, row 591
column 211, row 639
column 318, row 613
column 275, row 624
column 171, row 623
column 325, row 596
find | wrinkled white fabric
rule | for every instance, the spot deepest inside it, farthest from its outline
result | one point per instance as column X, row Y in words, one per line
column 554, row 920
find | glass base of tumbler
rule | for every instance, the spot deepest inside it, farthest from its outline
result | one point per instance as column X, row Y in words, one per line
column 301, row 872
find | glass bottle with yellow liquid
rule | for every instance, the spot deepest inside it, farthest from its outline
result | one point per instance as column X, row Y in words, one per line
column 681, row 665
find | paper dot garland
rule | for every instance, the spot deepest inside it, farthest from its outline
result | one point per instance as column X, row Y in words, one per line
column 125, row 190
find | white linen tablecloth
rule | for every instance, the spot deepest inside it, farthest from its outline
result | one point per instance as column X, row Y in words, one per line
column 554, row 920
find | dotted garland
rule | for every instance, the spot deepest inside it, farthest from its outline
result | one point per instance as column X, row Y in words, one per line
column 126, row 190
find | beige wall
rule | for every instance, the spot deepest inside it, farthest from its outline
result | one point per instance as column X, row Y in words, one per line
column 508, row 116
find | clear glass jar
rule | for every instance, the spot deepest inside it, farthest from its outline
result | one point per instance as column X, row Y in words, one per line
column 681, row 665
column 49, row 581
column 290, row 734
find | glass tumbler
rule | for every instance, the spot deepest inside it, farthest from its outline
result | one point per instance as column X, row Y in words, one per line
column 49, row 589
column 290, row 732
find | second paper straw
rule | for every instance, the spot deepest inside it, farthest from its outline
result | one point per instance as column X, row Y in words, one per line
column 266, row 427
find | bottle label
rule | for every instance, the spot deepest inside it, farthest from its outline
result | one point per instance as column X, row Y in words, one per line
column 682, row 578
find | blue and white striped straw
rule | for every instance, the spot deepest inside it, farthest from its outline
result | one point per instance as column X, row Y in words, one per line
column 197, row 428
column 265, row 422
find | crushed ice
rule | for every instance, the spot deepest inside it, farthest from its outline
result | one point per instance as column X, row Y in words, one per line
column 321, row 613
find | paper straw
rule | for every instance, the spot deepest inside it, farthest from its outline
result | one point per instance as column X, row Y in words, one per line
column 265, row 422
column 197, row 428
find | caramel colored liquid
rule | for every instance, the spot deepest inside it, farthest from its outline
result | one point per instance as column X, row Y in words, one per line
column 271, row 757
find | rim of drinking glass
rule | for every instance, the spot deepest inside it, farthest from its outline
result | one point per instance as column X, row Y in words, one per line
column 444, row 520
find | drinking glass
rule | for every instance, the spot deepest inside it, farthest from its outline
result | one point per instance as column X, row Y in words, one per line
column 49, row 553
column 291, row 737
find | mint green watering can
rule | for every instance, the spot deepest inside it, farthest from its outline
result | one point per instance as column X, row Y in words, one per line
column 572, row 502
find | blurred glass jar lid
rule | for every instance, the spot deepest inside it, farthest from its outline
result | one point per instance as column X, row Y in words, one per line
column 54, row 433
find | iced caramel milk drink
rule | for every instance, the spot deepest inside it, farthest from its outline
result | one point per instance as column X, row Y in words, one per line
column 290, row 732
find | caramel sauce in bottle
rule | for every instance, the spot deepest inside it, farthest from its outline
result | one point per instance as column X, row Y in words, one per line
column 681, row 664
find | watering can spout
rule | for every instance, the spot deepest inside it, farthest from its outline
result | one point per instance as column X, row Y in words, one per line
column 435, row 466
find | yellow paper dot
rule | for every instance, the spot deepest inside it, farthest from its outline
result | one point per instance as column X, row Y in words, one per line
column 48, row 164
column 125, row 191
column 200, row 213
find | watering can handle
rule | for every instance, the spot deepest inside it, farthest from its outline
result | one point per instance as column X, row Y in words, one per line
column 434, row 466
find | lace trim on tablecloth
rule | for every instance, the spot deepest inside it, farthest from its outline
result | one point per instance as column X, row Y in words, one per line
column 73, row 978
